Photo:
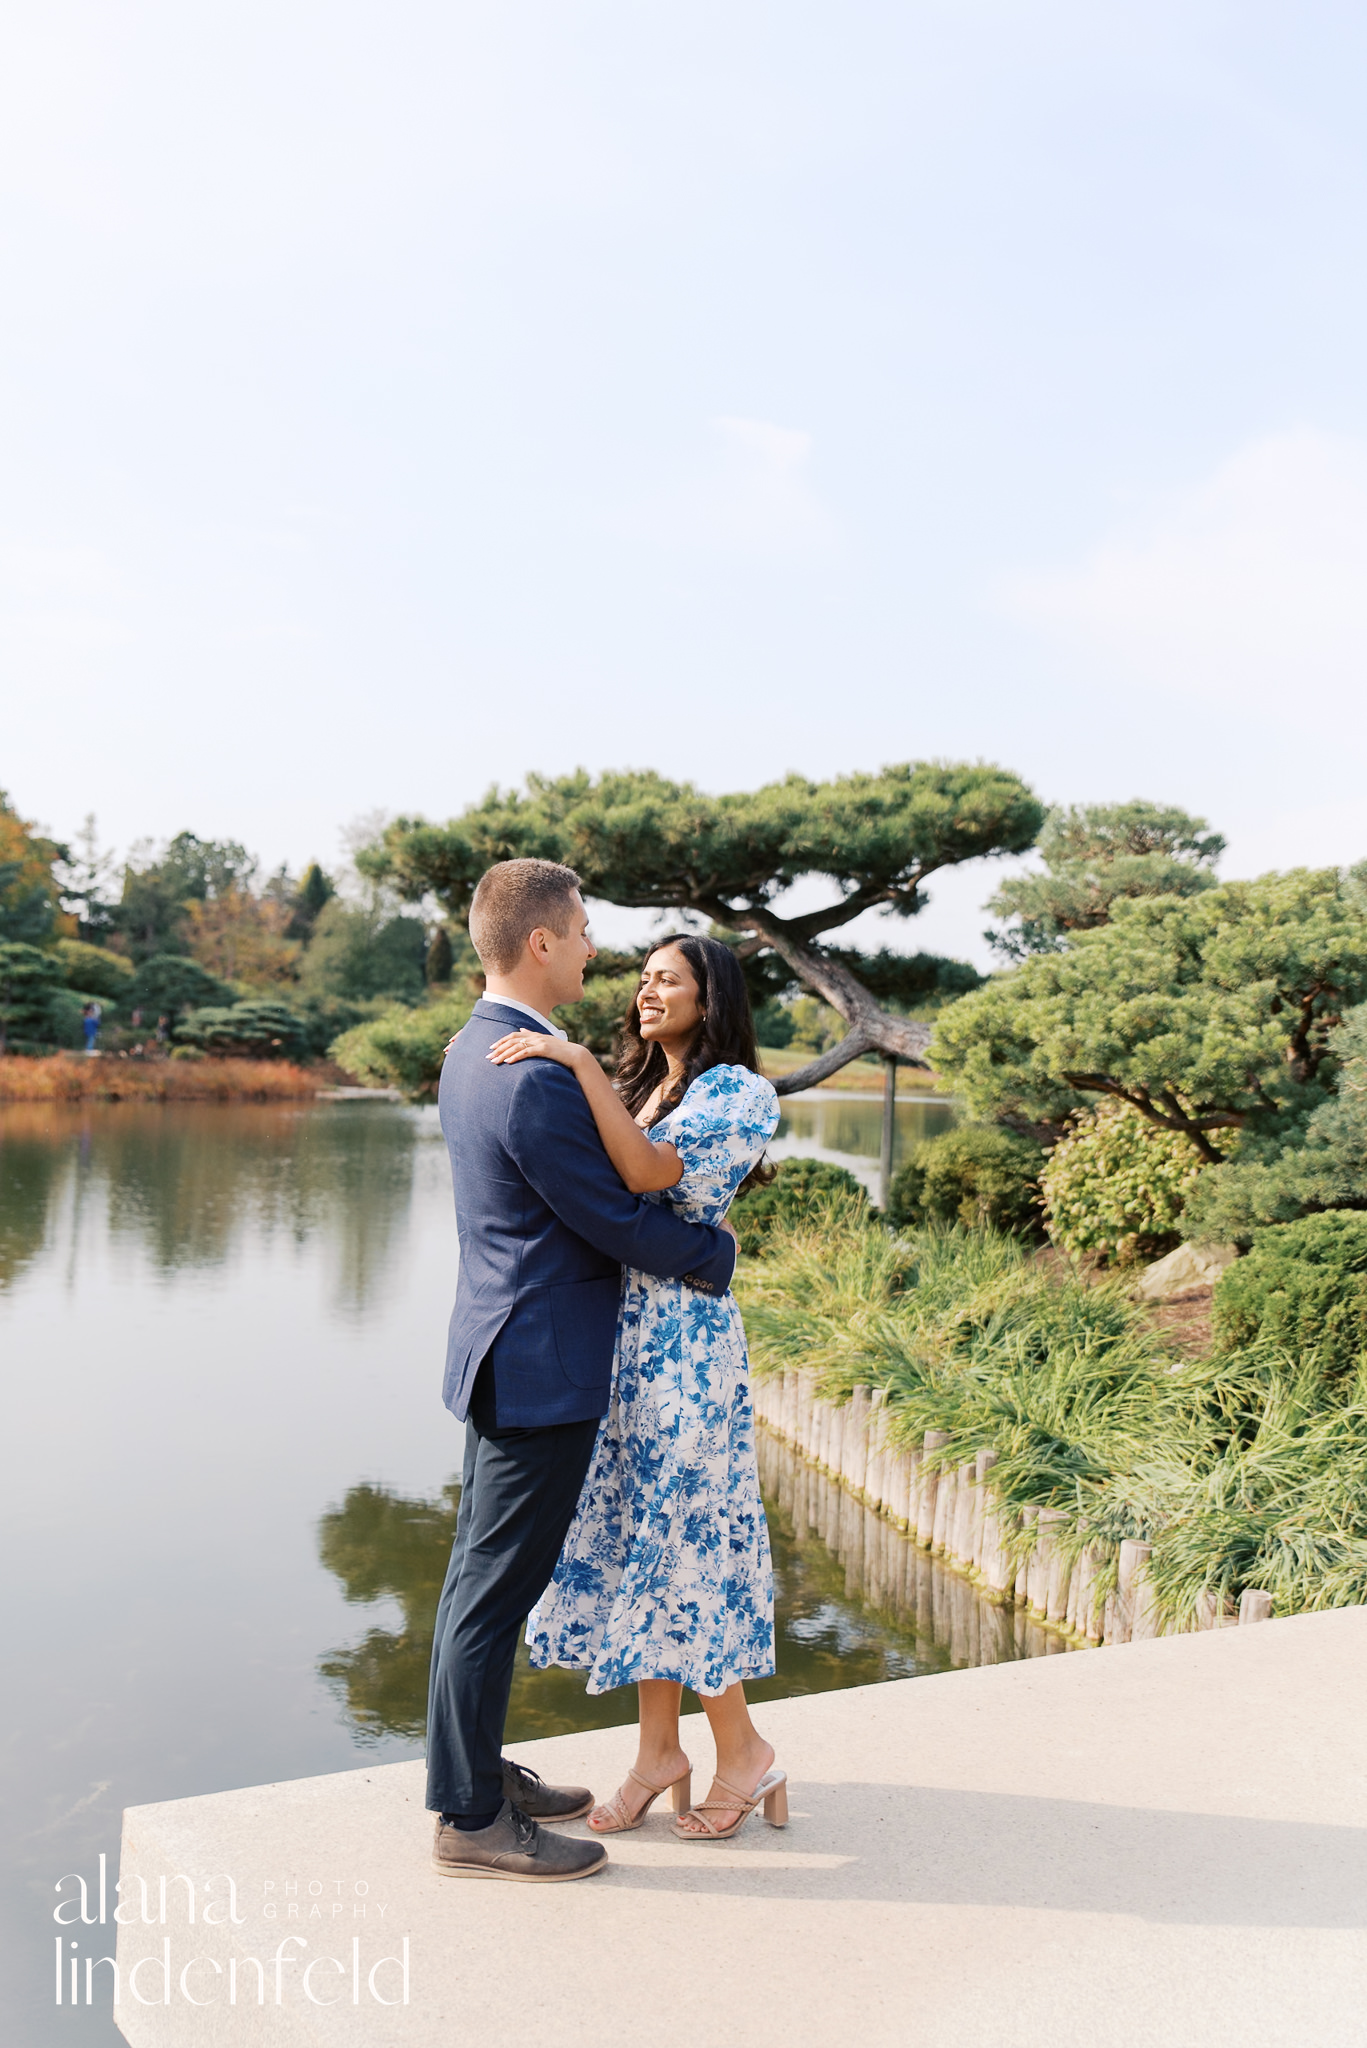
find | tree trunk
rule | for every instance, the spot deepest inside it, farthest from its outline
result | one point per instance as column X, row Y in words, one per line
column 872, row 1029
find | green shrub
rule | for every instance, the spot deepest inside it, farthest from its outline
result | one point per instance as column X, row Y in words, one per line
column 802, row 1191
column 976, row 1174
column 34, row 1001
column 596, row 1021
column 440, row 958
column 1115, row 1187
column 360, row 950
column 1325, row 1168
column 774, row 1024
column 816, row 1026
column 94, row 970
column 404, row 1048
column 324, row 1018
column 166, row 984
column 1303, row 1287
column 248, row 1030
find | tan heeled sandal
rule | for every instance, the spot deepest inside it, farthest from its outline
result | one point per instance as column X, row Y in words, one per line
column 771, row 1793
column 623, row 1820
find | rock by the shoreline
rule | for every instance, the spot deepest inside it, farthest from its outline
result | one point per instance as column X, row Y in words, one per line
column 1190, row 1266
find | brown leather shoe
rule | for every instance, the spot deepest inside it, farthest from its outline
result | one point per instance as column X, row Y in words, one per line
column 515, row 1848
column 540, row 1801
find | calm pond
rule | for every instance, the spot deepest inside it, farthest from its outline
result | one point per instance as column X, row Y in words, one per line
column 828, row 1123
column 230, row 1486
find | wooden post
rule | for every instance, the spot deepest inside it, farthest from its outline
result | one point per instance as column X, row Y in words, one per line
column 806, row 1402
column 1029, row 1516
column 854, row 1465
column 1132, row 1556
column 835, row 1441
column 984, row 1462
column 889, row 1126
column 1214, row 1610
column 997, row 1574
column 873, row 1478
column 875, row 1482
column 1144, row 1623
column 898, row 1485
column 904, row 1486
column 1042, row 1563
column 1090, row 1614
column 945, row 1495
column 1254, row 1606
column 1060, row 1574
column 959, row 1535
column 929, row 1491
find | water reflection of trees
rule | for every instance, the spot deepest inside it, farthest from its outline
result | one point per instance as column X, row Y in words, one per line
column 185, row 1184
column 33, row 1175
column 834, row 1123
column 383, row 1545
column 386, row 1545
column 855, row 1603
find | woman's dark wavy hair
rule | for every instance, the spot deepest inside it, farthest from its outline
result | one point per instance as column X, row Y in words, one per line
column 725, row 1035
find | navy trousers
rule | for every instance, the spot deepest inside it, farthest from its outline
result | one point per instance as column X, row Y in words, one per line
column 519, row 1490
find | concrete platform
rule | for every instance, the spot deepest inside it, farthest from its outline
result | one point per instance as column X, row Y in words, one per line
column 1162, row 1844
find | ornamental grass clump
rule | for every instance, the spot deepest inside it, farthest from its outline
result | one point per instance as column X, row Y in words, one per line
column 1115, row 1187
column 1248, row 1468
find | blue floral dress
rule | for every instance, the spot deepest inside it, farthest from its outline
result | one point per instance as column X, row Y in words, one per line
column 665, row 1572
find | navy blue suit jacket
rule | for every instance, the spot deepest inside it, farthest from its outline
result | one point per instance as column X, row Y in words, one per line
column 545, row 1228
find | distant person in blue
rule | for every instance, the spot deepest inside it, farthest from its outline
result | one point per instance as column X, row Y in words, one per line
column 90, row 1025
column 547, row 1225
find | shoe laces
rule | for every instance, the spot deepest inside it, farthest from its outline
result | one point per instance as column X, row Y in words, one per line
column 526, row 1781
column 524, row 1827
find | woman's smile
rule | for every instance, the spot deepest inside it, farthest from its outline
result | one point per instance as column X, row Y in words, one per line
column 667, row 1002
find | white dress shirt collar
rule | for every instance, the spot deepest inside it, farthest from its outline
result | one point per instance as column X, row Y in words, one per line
column 511, row 1003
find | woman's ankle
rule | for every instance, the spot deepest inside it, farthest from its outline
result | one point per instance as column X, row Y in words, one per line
column 751, row 1758
column 658, row 1764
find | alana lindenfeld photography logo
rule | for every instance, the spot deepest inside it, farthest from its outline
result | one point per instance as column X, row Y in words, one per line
column 332, row 1944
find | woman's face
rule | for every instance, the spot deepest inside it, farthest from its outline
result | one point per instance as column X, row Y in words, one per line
column 668, row 1002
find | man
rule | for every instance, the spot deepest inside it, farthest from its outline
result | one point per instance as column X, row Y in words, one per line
column 545, row 1228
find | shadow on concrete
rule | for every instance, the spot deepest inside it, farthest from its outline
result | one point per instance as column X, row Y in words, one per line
column 904, row 1845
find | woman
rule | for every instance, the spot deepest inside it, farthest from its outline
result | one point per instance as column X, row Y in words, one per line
column 665, row 1577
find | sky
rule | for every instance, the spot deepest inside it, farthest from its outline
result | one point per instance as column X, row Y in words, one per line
column 395, row 401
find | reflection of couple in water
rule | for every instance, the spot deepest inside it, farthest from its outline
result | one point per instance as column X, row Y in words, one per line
column 596, row 1356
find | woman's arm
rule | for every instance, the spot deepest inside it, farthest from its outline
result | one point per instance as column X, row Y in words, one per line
column 642, row 1164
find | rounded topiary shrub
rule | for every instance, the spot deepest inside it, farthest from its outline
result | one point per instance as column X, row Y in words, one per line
column 1115, row 1187
column 1302, row 1286
column 976, row 1174
column 802, row 1191
column 257, row 1030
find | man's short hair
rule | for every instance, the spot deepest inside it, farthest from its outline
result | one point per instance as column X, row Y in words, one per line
column 512, row 900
